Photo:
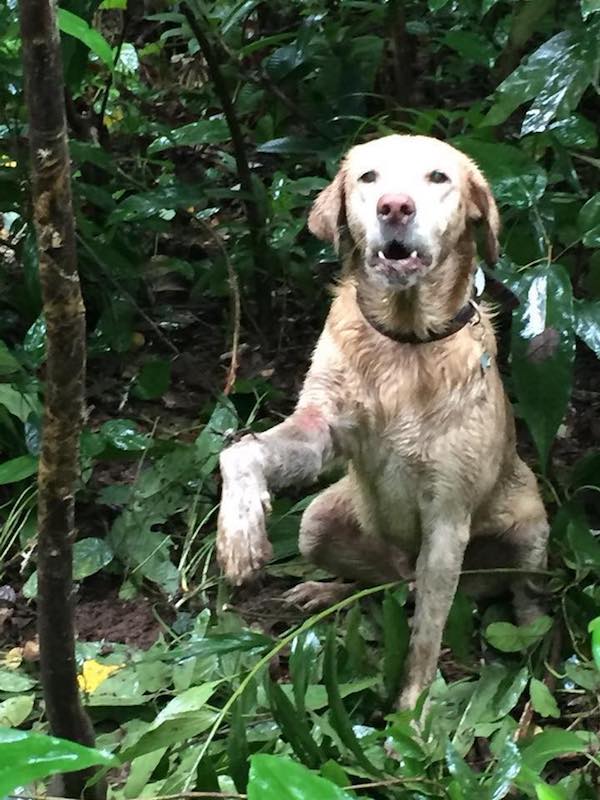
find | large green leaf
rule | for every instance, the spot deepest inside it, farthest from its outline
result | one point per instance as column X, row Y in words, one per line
column 588, row 222
column 27, row 756
column 78, row 28
column 548, row 744
column 280, row 778
column 556, row 75
column 589, row 7
column 543, row 351
column 542, row 699
column 16, row 469
column 507, row 769
column 511, row 638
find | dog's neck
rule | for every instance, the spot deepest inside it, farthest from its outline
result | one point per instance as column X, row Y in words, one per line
column 427, row 307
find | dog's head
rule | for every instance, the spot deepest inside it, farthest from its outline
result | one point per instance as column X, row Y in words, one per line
column 403, row 203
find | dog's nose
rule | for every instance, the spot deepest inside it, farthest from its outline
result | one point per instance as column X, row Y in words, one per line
column 396, row 209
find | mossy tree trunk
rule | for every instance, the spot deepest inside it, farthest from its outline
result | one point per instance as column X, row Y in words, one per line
column 65, row 375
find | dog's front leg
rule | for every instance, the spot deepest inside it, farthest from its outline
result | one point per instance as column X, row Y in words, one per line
column 445, row 537
column 294, row 452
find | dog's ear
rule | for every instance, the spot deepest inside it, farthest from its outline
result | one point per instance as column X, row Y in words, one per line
column 328, row 213
column 482, row 208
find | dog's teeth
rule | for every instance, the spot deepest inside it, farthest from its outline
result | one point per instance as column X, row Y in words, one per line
column 380, row 254
column 413, row 254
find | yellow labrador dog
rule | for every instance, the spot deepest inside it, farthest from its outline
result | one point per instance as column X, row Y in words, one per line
column 404, row 386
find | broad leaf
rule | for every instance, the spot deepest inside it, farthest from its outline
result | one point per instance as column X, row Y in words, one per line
column 548, row 744
column 78, row 28
column 280, row 778
column 27, row 756
column 587, row 323
column 588, row 222
column 542, row 699
column 511, row 638
column 543, row 351
column 507, row 769
column 205, row 131
column 17, row 469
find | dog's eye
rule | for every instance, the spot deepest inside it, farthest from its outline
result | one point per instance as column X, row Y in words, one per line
column 368, row 177
column 438, row 177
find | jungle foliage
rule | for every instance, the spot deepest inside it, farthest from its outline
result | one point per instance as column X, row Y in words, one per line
column 200, row 134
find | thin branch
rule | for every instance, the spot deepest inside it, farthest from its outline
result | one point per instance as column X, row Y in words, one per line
column 261, row 254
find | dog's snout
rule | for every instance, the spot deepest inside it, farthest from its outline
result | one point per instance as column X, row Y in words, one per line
column 396, row 209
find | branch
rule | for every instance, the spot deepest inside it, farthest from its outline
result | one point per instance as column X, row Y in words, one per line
column 261, row 254
column 65, row 377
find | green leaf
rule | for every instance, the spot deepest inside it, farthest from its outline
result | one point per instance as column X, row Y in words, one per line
column 594, row 629
column 337, row 713
column 588, row 222
column 19, row 404
column 8, row 363
column 78, row 28
column 205, row 131
column 396, row 635
column 294, row 727
column 237, row 747
column 556, row 75
column 436, row 5
column 548, row 744
column 587, row 323
column 460, row 627
column 507, row 769
column 184, row 716
column 12, row 681
column 305, row 649
column 589, row 7
column 153, row 379
column 27, row 756
column 546, row 792
column 542, row 699
column 516, row 179
column 511, row 638
column 16, row 469
column 280, row 778
column 122, row 434
column 543, row 351
column 90, row 556
column 463, row 774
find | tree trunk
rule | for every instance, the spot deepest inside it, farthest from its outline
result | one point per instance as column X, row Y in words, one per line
column 65, row 376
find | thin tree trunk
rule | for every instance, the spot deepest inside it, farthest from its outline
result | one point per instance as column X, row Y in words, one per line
column 65, row 376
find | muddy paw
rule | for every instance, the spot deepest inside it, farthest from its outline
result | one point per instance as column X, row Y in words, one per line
column 314, row 595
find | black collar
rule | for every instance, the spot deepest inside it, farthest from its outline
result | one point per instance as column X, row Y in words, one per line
column 457, row 323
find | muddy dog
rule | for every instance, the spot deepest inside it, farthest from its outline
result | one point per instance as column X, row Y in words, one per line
column 404, row 386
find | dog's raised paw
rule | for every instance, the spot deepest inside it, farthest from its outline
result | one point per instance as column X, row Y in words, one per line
column 315, row 595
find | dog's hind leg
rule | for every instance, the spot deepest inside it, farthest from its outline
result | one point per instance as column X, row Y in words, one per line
column 332, row 538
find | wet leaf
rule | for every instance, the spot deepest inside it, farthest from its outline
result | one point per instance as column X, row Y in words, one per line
column 463, row 774
column 589, row 7
column 122, row 434
column 587, row 323
column 280, row 778
column 305, row 649
column 27, row 756
column 506, row 770
column 556, row 75
column 588, row 222
column 543, row 382
column 90, row 556
column 542, row 699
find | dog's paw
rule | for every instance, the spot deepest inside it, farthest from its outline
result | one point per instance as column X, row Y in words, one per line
column 315, row 595
column 243, row 548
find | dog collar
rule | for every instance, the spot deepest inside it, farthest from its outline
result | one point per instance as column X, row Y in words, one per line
column 457, row 323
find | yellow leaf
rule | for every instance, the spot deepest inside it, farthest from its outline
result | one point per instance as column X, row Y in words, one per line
column 94, row 673
column 13, row 658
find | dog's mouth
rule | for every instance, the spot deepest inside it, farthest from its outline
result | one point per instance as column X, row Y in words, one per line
column 399, row 260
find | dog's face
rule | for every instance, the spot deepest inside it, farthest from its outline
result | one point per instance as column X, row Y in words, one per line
column 404, row 201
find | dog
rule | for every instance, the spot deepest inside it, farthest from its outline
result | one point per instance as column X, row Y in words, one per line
column 404, row 386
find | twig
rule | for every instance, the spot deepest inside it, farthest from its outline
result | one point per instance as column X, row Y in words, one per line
column 234, row 287
column 256, row 222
